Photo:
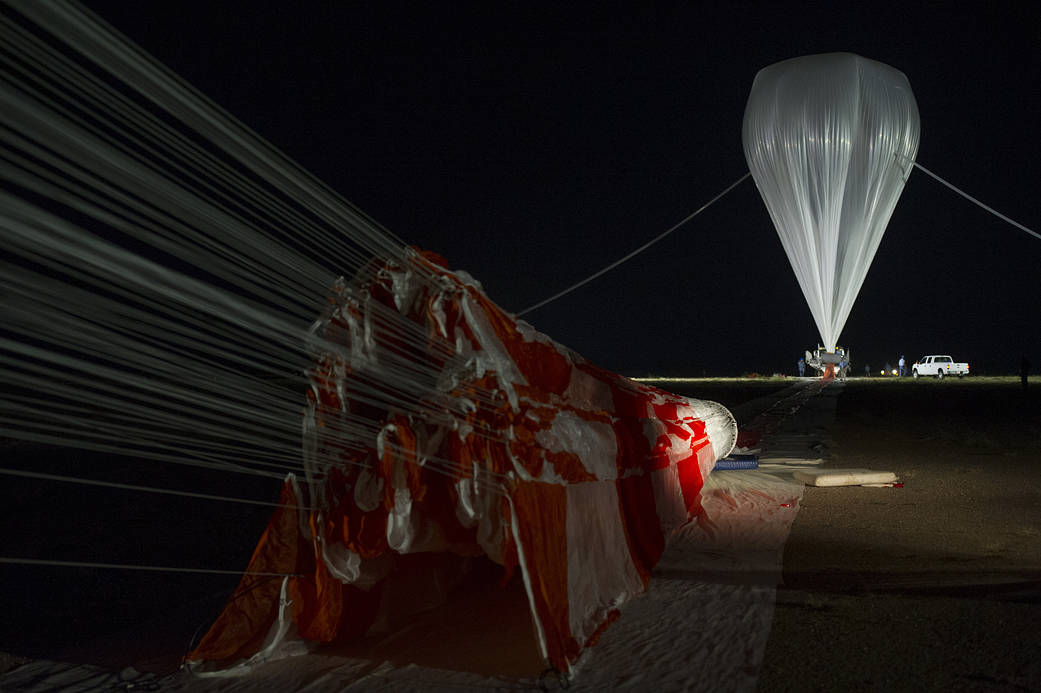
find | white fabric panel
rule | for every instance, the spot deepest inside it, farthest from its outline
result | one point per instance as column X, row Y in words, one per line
column 400, row 522
column 720, row 425
column 493, row 355
column 588, row 392
column 668, row 498
column 593, row 442
column 830, row 140
column 600, row 570
column 281, row 641
column 412, row 532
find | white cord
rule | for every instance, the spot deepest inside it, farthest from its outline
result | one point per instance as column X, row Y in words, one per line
column 970, row 198
column 6, row 560
column 636, row 252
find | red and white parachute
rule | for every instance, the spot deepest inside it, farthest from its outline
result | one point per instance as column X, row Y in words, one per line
column 527, row 453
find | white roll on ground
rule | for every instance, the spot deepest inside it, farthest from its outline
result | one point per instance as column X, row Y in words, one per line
column 842, row 477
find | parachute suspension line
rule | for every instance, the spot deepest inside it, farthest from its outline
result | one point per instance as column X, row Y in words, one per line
column 162, row 297
column 122, row 60
column 10, row 560
column 165, row 269
column 972, row 199
column 146, row 489
column 636, row 252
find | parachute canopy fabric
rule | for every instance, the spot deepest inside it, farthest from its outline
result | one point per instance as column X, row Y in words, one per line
column 546, row 464
column 830, row 140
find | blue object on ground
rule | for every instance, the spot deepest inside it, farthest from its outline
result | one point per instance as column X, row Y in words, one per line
column 738, row 462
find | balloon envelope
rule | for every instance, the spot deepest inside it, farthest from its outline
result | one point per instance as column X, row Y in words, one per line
column 830, row 140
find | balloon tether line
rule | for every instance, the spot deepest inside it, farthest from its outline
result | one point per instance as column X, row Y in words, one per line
column 9, row 560
column 972, row 199
column 636, row 252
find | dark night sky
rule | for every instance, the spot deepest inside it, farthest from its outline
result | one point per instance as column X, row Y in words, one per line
column 532, row 147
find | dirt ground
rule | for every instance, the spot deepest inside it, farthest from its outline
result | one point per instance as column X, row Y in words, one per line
column 933, row 586
column 936, row 585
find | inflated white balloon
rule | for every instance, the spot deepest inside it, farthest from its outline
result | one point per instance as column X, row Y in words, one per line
column 830, row 140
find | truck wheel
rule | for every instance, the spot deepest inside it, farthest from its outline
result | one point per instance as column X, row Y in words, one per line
column 939, row 374
column 915, row 373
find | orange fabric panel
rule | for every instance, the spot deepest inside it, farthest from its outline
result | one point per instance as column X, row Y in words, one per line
column 541, row 510
column 690, row 483
column 542, row 365
column 240, row 629
column 363, row 532
column 439, row 504
column 318, row 606
column 569, row 467
column 400, row 450
column 523, row 446
column 326, row 610
column 666, row 411
column 643, row 531
column 634, row 450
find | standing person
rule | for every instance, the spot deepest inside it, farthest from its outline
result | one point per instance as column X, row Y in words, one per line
column 867, row 370
column 1024, row 371
column 802, row 366
column 901, row 363
column 842, row 368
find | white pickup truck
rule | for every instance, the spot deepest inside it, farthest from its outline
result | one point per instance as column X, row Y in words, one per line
column 939, row 366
